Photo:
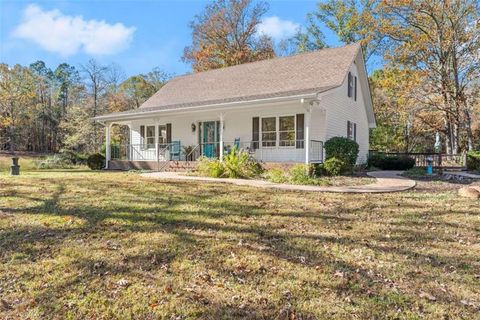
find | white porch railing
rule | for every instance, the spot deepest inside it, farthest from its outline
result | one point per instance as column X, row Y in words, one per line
column 264, row 151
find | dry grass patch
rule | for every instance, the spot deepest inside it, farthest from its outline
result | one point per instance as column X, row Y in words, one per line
column 116, row 245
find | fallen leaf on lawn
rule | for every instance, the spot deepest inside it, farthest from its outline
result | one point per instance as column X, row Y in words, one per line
column 5, row 305
column 112, row 246
column 338, row 274
column 123, row 283
column 427, row 295
column 168, row 289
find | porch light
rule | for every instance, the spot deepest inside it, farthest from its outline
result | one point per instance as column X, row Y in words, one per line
column 194, row 127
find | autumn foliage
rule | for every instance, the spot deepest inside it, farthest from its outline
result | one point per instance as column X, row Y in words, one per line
column 225, row 34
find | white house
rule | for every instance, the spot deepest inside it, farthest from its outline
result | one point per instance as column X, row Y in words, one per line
column 279, row 110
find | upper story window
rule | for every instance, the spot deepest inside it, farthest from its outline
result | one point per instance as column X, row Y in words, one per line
column 352, row 86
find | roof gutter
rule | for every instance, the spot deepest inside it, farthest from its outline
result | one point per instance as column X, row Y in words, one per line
column 136, row 115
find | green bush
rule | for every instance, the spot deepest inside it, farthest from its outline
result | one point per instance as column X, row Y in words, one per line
column 96, row 161
column 239, row 164
column 344, row 149
column 216, row 169
column 73, row 157
column 300, row 174
column 335, row 166
column 210, row 167
column 473, row 160
column 276, row 175
column 375, row 160
column 384, row 162
column 317, row 170
column 236, row 164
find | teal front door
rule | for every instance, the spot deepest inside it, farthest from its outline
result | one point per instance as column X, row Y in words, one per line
column 209, row 141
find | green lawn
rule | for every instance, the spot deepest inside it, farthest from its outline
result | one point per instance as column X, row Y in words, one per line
column 78, row 245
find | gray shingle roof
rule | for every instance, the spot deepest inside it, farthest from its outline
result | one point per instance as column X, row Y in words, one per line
column 311, row 72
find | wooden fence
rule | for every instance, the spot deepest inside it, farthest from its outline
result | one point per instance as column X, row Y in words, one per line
column 440, row 160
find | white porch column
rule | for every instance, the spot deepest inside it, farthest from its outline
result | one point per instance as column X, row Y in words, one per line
column 108, row 154
column 307, row 134
column 156, row 141
column 221, row 136
column 128, row 152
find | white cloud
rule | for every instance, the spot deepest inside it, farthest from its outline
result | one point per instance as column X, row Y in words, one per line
column 67, row 35
column 277, row 28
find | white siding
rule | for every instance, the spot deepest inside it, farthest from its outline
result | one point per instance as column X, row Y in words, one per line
column 340, row 108
column 237, row 124
column 327, row 120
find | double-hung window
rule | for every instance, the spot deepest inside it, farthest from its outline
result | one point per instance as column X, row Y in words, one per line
column 269, row 132
column 352, row 86
column 286, row 131
column 150, row 137
column 162, row 134
column 352, row 130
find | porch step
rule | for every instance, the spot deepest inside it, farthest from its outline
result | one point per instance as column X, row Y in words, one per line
column 181, row 166
column 132, row 165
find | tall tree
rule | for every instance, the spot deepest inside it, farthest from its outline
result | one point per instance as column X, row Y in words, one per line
column 225, row 34
column 66, row 76
column 401, row 124
column 141, row 87
column 310, row 39
column 440, row 39
column 97, row 82
column 352, row 21
column 16, row 95
column 46, row 115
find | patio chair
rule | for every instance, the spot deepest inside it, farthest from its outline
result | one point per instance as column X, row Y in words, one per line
column 175, row 150
column 236, row 143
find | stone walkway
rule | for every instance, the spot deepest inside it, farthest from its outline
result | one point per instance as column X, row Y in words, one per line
column 387, row 181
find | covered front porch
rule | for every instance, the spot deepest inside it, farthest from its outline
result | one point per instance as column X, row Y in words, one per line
column 280, row 133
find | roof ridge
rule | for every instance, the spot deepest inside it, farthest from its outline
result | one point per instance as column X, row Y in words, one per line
column 265, row 60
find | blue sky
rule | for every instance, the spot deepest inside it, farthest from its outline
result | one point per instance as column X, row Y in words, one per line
column 137, row 35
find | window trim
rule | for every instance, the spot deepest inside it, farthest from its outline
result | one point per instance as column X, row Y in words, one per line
column 355, row 88
column 147, row 145
column 352, row 130
column 277, row 131
column 262, row 132
column 165, row 140
column 349, row 84
column 294, row 131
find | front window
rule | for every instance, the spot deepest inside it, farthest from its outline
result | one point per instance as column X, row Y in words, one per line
column 287, row 131
column 162, row 134
column 269, row 132
column 150, row 137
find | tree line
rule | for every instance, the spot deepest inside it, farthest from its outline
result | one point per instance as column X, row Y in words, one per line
column 423, row 59
column 45, row 110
